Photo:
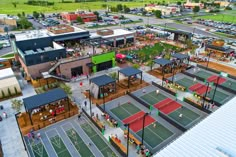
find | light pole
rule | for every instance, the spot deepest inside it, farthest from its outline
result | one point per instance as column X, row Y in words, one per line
column 218, row 78
column 173, row 73
column 144, row 117
column 103, row 98
column 209, row 55
column 204, row 97
column 127, row 125
column 90, row 101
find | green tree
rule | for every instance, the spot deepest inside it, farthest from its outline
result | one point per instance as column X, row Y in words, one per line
column 66, row 88
column 158, row 14
column 196, row 1
column 114, row 75
column 16, row 104
column 42, row 15
column 79, row 20
column 23, row 23
column 23, row 14
column 196, row 9
column 136, row 66
column 35, row 14
column 3, row 94
column 14, row 4
column 119, row 7
column 179, row 3
column 104, row 6
column 97, row 14
column 126, row 9
column 19, row 15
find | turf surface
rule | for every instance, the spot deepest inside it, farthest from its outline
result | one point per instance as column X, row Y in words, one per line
column 220, row 97
column 152, row 98
column 185, row 82
column 188, row 116
column 39, row 150
column 230, row 84
column 98, row 141
column 155, row 135
column 59, row 147
column 203, row 74
column 125, row 110
column 78, row 143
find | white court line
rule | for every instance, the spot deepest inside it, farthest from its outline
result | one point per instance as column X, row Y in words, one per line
column 63, row 143
column 50, row 141
column 82, row 138
column 44, row 145
column 31, row 147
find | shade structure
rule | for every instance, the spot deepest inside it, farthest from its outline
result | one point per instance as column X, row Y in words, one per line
column 120, row 56
column 180, row 56
column 44, row 99
column 102, row 80
column 162, row 61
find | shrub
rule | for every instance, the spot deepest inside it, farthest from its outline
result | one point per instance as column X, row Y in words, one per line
column 3, row 94
column 9, row 92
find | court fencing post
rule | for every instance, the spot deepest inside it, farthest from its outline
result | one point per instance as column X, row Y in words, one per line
column 217, row 82
column 144, row 117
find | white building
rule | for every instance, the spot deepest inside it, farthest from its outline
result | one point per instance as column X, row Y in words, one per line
column 164, row 9
column 215, row 136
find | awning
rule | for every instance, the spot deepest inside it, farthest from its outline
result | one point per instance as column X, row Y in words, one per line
column 162, row 61
column 44, row 98
column 130, row 71
column 180, row 56
column 70, row 37
column 102, row 80
column 90, row 64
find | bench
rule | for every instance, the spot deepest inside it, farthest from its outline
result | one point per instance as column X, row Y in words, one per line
column 131, row 136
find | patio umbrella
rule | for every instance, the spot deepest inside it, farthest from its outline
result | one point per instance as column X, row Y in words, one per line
column 129, row 57
column 120, row 56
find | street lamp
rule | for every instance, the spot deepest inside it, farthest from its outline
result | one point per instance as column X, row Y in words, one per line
column 143, row 126
column 204, row 97
column 88, row 90
column 127, row 125
column 209, row 55
column 217, row 82
column 103, row 98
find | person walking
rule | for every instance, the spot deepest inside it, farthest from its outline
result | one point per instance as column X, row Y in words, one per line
column 85, row 104
column 4, row 115
column 38, row 135
column 213, row 105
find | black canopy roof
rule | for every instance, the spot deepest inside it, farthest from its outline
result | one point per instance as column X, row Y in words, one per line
column 162, row 61
column 180, row 56
column 102, row 80
column 44, row 98
column 130, row 71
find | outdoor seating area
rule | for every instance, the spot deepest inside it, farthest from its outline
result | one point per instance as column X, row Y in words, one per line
column 44, row 109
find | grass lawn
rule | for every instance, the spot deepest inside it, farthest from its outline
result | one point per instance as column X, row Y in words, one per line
column 224, row 34
column 151, row 52
column 220, row 17
column 6, row 6
column 9, row 55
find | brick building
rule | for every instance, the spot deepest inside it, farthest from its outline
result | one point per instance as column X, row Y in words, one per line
column 72, row 16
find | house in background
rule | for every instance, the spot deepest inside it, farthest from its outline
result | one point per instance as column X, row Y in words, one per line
column 71, row 17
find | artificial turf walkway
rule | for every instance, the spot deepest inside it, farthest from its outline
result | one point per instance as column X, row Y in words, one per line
column 98, row 141
column 39, row 150
column 79, row 143
column 155, row 135
column 59, row 147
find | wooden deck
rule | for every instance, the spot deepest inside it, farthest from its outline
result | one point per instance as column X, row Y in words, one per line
column 121, row 89
column 38, row 123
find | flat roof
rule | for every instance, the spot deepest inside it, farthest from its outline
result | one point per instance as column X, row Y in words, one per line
column 44, row 98
column 6, row 73
column 33, row 34
column 130, row 71
column 102, row 80
column 8, row 82
column 116, row 32
column 215, row 136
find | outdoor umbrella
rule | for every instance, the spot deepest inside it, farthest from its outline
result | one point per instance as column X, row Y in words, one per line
column 120, row 56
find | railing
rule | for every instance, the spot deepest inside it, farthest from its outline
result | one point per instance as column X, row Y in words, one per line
column 196, row 105
column 119, row 147
column 43, row 124
column 100, row 127
column 1, row 152
column 164, row 89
